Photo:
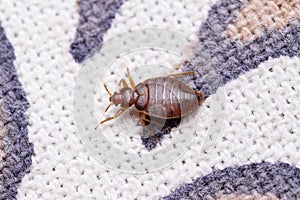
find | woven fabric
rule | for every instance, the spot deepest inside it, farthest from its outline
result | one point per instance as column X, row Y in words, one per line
column 15, row 149
column 234, row 183
column 245, row 55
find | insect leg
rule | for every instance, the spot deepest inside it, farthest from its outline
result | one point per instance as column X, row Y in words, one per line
column 152, row 121
column 177, row 66
column 108, row 107
column 183, row 73
column 130, row 79
column 122, row 81
column 118, row 113
column 200, row 97
column 142, row 118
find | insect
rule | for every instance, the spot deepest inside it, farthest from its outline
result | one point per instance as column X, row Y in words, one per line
column 163, row 97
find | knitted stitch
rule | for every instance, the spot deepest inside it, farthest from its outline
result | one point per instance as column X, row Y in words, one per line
column 218, row 59
column 63, row 169
column 95, row 18
column 15, row 145
column 280, row 179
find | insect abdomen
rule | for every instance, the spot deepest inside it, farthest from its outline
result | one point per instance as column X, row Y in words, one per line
column 166, row 97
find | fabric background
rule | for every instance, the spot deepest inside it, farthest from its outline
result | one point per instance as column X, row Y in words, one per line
column 260, row 105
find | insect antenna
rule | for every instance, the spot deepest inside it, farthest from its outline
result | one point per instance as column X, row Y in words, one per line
column 107, row 90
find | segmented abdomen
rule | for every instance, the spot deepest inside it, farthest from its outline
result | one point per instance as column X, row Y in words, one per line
column 165, row 97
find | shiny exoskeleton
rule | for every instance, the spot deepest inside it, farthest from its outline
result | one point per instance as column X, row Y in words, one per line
column 162, row 97
column 165, row 97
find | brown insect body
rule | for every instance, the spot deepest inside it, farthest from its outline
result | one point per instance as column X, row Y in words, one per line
column 166, row 98
column 162, row 97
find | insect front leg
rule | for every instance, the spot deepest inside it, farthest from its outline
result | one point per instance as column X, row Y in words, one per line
column 118, row 113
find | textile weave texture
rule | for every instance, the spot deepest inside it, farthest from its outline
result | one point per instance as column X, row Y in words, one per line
column 242, row 143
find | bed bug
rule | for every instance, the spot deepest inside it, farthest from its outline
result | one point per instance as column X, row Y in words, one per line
column 163, row 97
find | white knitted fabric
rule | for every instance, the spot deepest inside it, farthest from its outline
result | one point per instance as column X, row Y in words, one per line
column 258, row 121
